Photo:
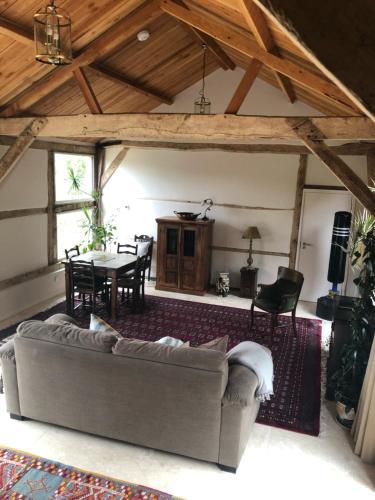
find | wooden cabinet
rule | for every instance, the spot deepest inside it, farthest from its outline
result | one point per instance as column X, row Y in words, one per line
column 183, row 255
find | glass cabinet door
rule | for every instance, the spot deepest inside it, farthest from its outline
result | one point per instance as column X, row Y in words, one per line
column 172, row 241
column 189, row 243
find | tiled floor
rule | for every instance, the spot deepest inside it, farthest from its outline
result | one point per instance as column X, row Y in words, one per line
column 277, row 464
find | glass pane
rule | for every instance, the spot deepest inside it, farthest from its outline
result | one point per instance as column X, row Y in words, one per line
column 189, row 243
column 81, row 166
column 172, row 241
column 69, row 231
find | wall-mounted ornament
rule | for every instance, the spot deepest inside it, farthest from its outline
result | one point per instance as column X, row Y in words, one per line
column 207, row 204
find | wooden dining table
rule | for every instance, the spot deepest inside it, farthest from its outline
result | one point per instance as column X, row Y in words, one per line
column 107, row 264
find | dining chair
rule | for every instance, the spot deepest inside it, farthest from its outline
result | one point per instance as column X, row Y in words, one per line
column 134, row 281
column 279, row 297
column 72, row 252
column 127, row 249
column 144, row 238
column 83, row 281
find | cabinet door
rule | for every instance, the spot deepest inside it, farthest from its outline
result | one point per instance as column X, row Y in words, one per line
column 168, row 254
column 189, row 257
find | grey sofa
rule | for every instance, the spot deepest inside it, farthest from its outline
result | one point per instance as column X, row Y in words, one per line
column 182, row 400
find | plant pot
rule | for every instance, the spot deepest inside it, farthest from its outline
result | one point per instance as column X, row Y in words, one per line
column 344, row 415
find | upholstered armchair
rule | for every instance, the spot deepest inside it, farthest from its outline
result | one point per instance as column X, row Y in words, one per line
column 280, row 297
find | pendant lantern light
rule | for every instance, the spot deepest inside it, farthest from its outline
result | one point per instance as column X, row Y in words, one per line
column 202, row 105
column 52, row 34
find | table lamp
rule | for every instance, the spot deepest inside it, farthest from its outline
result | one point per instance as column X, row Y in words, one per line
column 251, row 234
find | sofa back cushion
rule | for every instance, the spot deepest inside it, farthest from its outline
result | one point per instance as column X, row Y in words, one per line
column 67, row 334
column 189, row 357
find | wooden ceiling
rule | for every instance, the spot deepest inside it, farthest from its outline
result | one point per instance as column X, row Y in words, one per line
column 115, row 73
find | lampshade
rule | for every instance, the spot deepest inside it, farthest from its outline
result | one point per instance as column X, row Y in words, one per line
column 251, row 233
column 52, row 27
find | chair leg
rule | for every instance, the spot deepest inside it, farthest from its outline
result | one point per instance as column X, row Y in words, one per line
column 294, row 322
column 251, row 316
column 93, row 302
column 273, row 322
column 149, row 273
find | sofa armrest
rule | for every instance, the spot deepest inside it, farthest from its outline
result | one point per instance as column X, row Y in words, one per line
column 238, row 413
column 9, row 373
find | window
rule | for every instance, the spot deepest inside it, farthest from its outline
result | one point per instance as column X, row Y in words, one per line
column 74, row 183
column 69, row 168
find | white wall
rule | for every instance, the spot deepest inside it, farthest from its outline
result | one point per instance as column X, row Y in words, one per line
column 147, row 178
column 23, row 241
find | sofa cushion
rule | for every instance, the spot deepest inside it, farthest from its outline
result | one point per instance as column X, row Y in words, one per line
column 67, row 335
column 219, row 344
column 61, row 319
column 205, row 359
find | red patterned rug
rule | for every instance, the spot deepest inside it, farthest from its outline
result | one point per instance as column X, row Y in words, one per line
column 25, row 477
column 296, row 403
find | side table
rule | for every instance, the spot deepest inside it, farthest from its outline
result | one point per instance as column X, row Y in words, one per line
column 249, row 282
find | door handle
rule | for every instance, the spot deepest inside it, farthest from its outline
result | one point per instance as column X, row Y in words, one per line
column 304, row 245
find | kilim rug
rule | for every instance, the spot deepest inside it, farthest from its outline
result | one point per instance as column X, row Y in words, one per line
column 296, row 403
column 34, row 478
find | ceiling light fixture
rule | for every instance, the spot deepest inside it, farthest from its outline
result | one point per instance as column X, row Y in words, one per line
column 202, row 105
column 143, row 35
column 52, row 34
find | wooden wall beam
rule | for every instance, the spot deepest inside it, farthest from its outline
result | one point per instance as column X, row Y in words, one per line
column 87, row 91
column 244, row 87
column 20, row 146
column 23, row 212
column 31, row 275
column 301, row 180
column 58, row 147
column 342, row 46
column 189, row 127
column 258, row 26
column 60, row 208
column 100, row 47
column 246, row 251
column 225, row 33
column 313, row 139
column 117, row 77
column 113, row 166
column 354, row 148
column 371, row 169
column 51, row 221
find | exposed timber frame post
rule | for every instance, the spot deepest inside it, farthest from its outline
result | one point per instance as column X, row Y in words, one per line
column 99, row 158
column 52, row 226
column 20, row 146
column 301, row 179
column 312, row 137
column 371, row 170
column 114, row 165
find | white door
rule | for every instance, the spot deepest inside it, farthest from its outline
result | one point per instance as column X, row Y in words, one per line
column 318, row 211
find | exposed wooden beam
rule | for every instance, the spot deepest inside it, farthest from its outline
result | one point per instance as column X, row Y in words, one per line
column 351, row 148
column 220, row 55
column 258, row 26
column 58, row 147
column 20, row 146
column 371, row 169
column 87, row 91
column 51, row 219
column 225, row 33
column 16, row 32
column 244, row 87
column 23, row 212
column 101, row 46
column 30, row 275
column 190, row 127
column 343, row 46
column 313, row 139
column 117, row 77
column 246, row 251
column 60, row 208
column 301, row 179
column 113, row 166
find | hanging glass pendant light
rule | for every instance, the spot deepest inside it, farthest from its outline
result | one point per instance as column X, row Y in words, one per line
column 52, row 27
column 202, row 105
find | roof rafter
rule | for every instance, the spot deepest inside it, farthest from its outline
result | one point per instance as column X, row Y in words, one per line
column 225, row 33
column 257, row 23
column 87, row 91
column 244, row 86
column 101, row 46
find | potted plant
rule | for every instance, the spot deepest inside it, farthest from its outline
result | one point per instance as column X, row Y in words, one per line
column 349, row 377
column 97, row 236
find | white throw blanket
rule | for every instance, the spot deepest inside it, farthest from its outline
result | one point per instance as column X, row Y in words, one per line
column 259, row 359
